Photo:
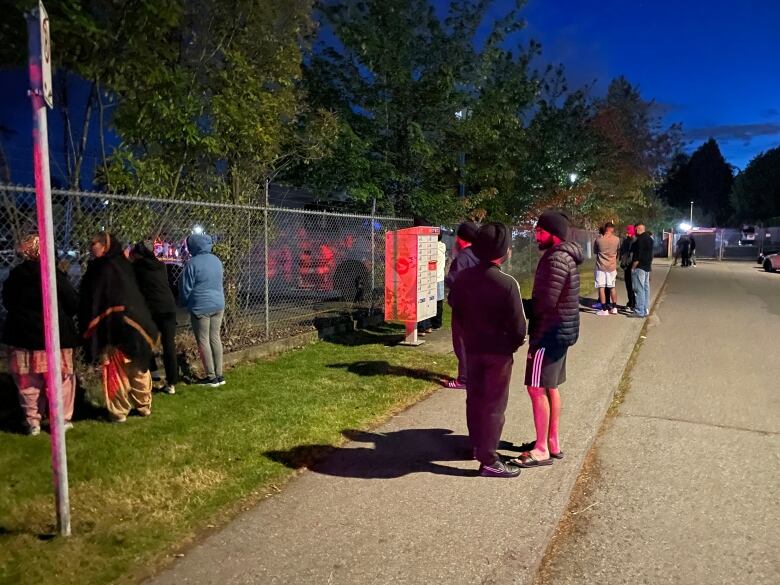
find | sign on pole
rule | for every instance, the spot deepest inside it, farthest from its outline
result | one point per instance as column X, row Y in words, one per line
column 40, row 95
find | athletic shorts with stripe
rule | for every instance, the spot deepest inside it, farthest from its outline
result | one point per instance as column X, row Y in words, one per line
column 545, row 367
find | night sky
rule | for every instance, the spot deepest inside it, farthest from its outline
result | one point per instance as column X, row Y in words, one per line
column 713, row 65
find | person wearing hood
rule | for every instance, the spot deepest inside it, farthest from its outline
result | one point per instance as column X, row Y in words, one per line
column 118, row 329
column 487, row 304
column 152, row 277
column 201, row 291
column 24, row 334
column 554, row 327
column 464, row 259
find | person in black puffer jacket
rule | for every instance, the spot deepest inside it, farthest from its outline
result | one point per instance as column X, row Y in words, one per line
column 152, row 277
column 554, row 327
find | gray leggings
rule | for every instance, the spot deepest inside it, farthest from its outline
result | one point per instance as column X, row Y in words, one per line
column 207, row 334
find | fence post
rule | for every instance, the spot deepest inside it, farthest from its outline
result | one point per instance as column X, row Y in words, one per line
column 265, row 263
column 373, row 256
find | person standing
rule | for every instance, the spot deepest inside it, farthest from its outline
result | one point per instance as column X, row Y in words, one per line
column 464, row 259
column 152, row 277
column 441, row 261
column 201, row 291
column 685, row 250
column 606, row 249
column 24, row 334
column 488, row 305
column 118, row 329
column 692, row 251
column 641, row 266
column 625, row 264
column 554, row 328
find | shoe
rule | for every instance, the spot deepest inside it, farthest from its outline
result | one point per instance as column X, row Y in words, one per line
column 527, row 461
column 635, row 316
column 68, row 425
column 119, row 419
column 455, row 385
column 144, row 411
column 211, row 382
column 34, row 430
column 221, row 381
column 598, row 306
column 169, row 389
column 602, row 312
column 499, row 469
column 613, row 311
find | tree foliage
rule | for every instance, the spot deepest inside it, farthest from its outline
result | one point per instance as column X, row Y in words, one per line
column 756, row 192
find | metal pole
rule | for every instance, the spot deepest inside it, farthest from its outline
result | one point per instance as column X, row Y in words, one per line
column 265, row 263
column 373, row 255
column 59, row 461
column 691, row 222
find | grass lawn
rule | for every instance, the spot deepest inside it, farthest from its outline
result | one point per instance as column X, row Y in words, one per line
column 142, row 489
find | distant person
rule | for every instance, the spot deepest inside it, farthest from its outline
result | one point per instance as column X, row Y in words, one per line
column 23, row 333
column 625, row 264
column 441, row 262
column 685, row 250
column 554, row 328
column 641, row 265
column 118, row 329
column 463, row 258
column 606, row 250
column 487, row 304
column 692, row 251
column 152, row 277
column 201, row 290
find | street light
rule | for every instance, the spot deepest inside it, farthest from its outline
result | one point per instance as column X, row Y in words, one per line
column 573, row 177
column 684, row 226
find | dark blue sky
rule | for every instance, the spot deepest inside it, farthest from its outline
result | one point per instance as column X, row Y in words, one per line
column 713, row 65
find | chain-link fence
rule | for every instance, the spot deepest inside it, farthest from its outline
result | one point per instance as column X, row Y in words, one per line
column 284, row 268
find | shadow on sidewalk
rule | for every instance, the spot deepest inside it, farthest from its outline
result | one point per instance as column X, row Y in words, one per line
column 394, row 454
column 383, row 368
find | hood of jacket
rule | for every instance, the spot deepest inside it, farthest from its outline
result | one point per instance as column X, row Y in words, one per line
column 199, row 244
column 573, row 249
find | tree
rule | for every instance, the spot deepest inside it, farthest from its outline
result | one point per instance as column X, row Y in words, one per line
column 756, row 192
column 676, row 190
column 710, row 181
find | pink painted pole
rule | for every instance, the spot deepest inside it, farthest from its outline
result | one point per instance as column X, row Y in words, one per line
column 59, row 459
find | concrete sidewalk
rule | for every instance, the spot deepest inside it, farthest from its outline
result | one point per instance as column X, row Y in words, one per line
column 402, row 504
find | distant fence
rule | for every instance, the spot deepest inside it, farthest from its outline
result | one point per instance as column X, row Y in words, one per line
column 734, row 244
column 283, row 268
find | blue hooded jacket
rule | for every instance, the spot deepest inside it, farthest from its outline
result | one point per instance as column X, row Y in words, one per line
column 200, row 285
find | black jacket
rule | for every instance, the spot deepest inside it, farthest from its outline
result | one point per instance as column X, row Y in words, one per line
column 152, row 277
column 642, row 252
column 487, row 303
column 465, row 259
column 625, row 252
column 22, row 299
column 555, row 301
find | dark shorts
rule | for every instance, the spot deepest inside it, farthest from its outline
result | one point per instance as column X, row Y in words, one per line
column 545, row 367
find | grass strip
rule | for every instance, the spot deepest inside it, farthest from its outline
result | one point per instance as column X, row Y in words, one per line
column 143, row 489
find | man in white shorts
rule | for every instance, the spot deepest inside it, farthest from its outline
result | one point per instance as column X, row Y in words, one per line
column 606, row 249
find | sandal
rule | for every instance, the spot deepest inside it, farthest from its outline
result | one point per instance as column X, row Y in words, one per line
column 527, row 460
column 525, row 447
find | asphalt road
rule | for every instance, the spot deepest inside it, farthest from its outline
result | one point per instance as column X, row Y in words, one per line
column 685, row 486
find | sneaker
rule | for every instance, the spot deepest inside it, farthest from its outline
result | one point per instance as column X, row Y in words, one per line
column 598, row 306
column 635, row 316
column 613, row 311
column 211, row 382
column 499, row 469
column 169, row 389
column 34, row 430
column 221, row 381
column 602, row 312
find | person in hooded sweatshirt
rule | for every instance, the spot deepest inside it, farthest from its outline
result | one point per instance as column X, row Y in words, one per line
column 464, row 258
column 23, row 333
column 152, row 277
column 488, row 305
column 554, row 327
column 201, row 291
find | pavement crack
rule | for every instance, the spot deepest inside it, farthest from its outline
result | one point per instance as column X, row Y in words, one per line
column 699, row 423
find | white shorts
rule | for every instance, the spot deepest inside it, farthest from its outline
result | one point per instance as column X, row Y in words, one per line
column 605, row 279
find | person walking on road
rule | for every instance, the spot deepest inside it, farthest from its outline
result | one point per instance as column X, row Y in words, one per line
column 464, row 259
column 152, row 277
column 641, row 266
column 625, row 264
column 488, row 305
column 23, row 333
column 606, row 249
column 554, row 328
column 201, row 290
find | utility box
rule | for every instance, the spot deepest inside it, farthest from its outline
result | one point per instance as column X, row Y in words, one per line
column 410, row 277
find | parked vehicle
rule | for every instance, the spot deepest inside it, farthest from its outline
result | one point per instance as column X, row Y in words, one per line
column 748, row 236
column 772, row 263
